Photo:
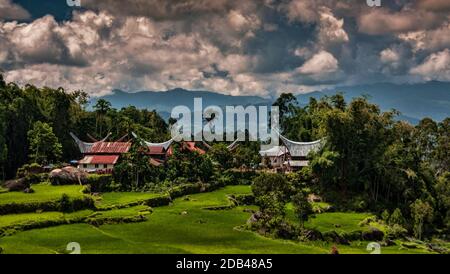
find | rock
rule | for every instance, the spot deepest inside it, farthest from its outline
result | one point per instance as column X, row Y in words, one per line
column 68, row 176
column 17, row 185
column 28, row 190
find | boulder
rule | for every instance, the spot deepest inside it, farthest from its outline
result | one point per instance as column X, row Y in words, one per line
column 17, row 185
column 68, row 176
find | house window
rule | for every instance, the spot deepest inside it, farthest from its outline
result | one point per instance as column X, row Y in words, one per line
column 105, row 166
column 96, row 165
column 84, row 165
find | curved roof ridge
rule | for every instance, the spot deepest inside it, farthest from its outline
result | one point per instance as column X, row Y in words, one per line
column 165, row 144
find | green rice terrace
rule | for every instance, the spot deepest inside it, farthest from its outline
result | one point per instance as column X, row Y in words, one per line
column 126, row 222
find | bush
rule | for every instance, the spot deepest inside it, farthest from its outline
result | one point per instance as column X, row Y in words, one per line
column 29, row 169
column 239, row 178
column 372, row 234
column 100, row 183
column 385, row 216
column 185, row 189
column 395, row 232
column 65, row 204
column 69, row 204
column 397, row 218
column 333, row 236
column 244, row 199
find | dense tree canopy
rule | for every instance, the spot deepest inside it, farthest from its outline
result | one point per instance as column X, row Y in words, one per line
column 22, row 107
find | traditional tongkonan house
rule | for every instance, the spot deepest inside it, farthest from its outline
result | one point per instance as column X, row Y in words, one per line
column 298, row 152
column 159, row 152
column 292, row 155
column 100, row 156
column 274, row 157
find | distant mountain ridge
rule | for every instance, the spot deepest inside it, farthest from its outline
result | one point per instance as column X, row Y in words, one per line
column 414, row 101
column 164, row 101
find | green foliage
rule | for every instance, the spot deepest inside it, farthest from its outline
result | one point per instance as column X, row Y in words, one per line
column 395, row 232
column 100, row 182
column 44, row 144
column 65, row 204
column 302, row 207
column 272, row 183
column 45, row 197
column 442, row 189
column 221, row 155
column 397, row 218
column 271, row 192
column 21, row 108
column 422, row 213
column 385, row 215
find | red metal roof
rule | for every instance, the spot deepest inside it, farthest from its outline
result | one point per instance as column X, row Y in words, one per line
column 110, row 147
column 99, row 159
column 192, row 147
column 156, row 150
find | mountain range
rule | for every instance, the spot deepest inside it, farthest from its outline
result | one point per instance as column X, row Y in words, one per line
column 414, row 101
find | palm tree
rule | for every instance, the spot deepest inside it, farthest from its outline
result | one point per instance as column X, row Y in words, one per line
column 101, row 108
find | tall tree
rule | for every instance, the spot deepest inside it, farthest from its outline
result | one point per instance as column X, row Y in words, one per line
column 101, row 109
column 44, row 144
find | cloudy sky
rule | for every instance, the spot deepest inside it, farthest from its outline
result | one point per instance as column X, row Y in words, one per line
column 238, row 47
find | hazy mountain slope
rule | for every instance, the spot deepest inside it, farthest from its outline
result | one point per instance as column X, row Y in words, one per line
column 414, row 101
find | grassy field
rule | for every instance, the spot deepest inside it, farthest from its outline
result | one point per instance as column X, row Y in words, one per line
column 337, row 221
column 182, row 227
column 42, row 193
column 120, row 198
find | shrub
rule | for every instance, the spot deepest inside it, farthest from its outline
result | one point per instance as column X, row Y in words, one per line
column 302, row 207
column 395, row 232
column 333, row 236
column 65, row 204
column 183, row 190
column 373, row 234
column 100, row 183
column 267, row 183
column 397, row 218
column 385, row 216
column 29, row 169
column 244, row 199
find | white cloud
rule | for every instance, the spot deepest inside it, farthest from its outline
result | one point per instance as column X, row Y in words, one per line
column 435, row 67
column 331, row 29
column 11, row 11
column 389, row 56
column 321, row 63
column 436, row 39
column 384, row 21
column 303, row 11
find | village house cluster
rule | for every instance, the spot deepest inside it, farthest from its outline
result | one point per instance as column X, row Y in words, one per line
column 100, row 156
